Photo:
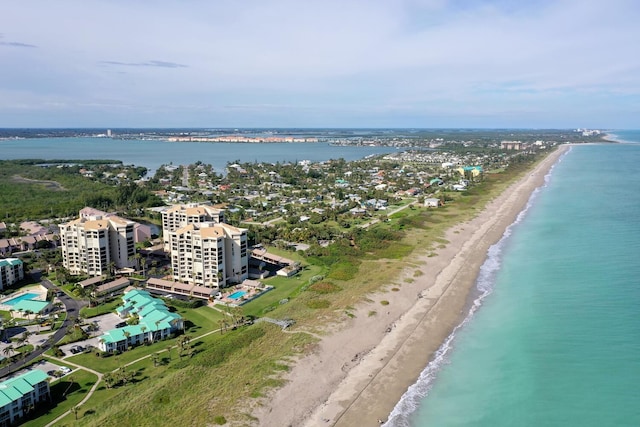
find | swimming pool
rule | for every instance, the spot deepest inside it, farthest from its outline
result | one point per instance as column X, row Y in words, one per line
column 237, row 294
column 14, row 301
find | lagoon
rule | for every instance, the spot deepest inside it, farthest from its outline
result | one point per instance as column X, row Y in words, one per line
column 154, row 153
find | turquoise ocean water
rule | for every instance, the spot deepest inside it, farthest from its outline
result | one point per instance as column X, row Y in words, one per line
column 554, row 338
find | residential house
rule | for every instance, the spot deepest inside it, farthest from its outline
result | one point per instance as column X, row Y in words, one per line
column 431, row 202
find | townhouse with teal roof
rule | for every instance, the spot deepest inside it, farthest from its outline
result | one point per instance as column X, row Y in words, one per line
column 154, row 322
column 22, row 394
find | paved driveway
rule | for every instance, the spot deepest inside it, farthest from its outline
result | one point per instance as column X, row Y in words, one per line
column 43, row 365
column 104, row 322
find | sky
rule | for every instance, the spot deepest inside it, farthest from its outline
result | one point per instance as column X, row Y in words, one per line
column 344, row 63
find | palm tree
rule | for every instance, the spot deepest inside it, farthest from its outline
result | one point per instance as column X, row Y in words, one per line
column 112, row 269
column 169, row 351
column 109, row 379
column 223, row 325
column 25, row 336
column 157, row 326
column 185, row 340
column 8, row 350
column 75, row 411
column 37, row 319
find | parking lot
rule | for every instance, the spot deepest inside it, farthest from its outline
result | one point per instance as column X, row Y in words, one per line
column 45, row 366
column 103, row 323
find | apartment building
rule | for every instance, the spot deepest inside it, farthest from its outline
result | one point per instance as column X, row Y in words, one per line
column 155, row 322
column 11, row 271
column 91, row 243
column 209, row 254
column 178, row 216
column 22, row 394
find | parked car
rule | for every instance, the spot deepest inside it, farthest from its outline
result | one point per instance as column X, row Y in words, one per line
column 65, row 370
column 76, row 349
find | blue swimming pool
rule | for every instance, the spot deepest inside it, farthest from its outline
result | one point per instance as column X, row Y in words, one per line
column 14, row 301
column 237, row 294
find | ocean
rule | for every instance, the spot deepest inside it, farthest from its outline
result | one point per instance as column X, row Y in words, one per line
column 554, row 338
column 154, row 153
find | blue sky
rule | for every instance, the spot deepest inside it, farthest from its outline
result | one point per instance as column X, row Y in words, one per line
column 348, row 63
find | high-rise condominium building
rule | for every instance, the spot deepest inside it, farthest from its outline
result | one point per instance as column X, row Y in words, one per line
column 180, row 215
column 204, row 250
column 92, row 244
column 209, row 254
column 11, row 271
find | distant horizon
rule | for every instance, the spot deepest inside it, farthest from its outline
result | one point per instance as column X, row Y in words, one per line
column 306, row 128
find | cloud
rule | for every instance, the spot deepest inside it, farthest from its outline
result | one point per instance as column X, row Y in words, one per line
column 15, row 44
column 160, row 64
column 291, row 61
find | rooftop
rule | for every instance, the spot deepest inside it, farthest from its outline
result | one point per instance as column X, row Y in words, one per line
column 14, row 388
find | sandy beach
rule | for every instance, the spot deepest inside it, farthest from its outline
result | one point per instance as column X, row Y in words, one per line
column 357, row 373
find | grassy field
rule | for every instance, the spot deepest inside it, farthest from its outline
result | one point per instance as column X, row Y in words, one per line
column 197, row 390
column 109, row 307
column 227, row 371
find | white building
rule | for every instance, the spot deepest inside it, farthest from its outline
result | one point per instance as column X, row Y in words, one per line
column 178, row 216
column 209, row 254
column 92, row 242
column 431, row 202
column 11, row 271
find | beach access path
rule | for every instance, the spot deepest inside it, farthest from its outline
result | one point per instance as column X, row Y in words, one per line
column 357, row 374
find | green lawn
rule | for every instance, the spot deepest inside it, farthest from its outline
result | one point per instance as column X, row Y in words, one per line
column 284, row 287
column 110, row 363
column 202, row 319
column 76, row 335
column 108, row 307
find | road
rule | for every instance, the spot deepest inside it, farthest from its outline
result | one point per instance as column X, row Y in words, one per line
column 72, row 308
column 376, row 220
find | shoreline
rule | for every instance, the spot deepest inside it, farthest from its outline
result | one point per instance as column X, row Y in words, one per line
column 357, row 374
column 613, row 138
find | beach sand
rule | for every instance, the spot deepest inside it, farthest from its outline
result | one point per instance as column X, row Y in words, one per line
column 357, row 373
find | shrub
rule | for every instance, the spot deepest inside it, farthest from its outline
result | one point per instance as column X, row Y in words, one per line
column 178, row 303
column 384, row 302
column 324, row 287
column 220, row 420
column 343, row 271
column 318, row 303
column 315, row 279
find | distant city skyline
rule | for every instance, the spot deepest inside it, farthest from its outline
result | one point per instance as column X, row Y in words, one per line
column 315, row 64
